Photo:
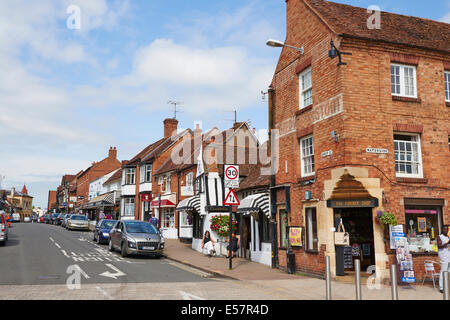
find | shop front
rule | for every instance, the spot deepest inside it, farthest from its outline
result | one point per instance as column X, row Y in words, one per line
column 188, row 211
column 165, row 212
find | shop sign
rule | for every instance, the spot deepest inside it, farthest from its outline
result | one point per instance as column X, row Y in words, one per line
column 353, row 203
column 377, row 151
column 217, row 209
column 295, row 236
column 146, row 198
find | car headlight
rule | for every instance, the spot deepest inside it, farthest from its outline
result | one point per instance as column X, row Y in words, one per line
column 162, row 239
column 131, row 244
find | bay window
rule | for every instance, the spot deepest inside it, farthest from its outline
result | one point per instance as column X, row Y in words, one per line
column 129, row 176
column 408, row 157
column 403, row 81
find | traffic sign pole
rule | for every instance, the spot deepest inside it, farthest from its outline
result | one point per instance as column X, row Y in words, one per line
column 231, row 248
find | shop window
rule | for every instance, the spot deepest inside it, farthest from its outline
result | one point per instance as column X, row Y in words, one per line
column 311, row 229
column 403, row 81
column 284, row 229
column 128, row 207
column 423, row 226
column 307, row 156
column 263, row 225
column 408, row 157
column 197, row 226
column 305, row 86
column 447, row 85
column 168, row 218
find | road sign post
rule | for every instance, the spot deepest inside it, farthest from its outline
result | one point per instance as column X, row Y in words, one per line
column 230, row 266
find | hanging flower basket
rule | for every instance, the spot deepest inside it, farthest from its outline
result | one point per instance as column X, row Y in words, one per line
column 385, row 219
column 220, row 224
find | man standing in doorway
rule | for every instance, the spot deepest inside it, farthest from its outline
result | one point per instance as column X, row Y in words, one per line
column 444, row 255
column 154, row 221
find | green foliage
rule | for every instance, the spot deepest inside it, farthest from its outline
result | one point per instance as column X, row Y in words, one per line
column 386, row 218
column 220, row 224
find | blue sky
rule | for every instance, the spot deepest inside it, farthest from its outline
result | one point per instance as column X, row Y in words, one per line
column 71, row 94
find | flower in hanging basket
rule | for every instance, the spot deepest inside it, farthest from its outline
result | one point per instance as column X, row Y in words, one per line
column 386, row 218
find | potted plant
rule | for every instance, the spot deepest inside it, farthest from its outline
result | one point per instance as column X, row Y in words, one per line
column 386, row 219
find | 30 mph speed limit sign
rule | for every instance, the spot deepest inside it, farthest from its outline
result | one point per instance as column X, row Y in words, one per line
column 231, row 176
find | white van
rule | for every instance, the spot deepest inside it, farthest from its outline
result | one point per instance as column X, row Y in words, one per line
column 16, row 217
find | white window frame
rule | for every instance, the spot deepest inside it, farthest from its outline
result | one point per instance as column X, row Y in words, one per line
column 129, row 172
column 447, row 85
column 128, row 207
column 402, row 79
column 303, row 156
column 419, row 156
column 167, row 179
column 303, row 90
column 190, row 179
column 144, row 170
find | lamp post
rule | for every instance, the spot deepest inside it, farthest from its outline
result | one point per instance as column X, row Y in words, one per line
column 279, row 44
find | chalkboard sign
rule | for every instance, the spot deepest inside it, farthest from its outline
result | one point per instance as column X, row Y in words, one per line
column 348, row 257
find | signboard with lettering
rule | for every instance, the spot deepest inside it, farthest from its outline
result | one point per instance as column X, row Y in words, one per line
column 295, row 236
column 327, row 153
column 377, row 151
column 353, row 203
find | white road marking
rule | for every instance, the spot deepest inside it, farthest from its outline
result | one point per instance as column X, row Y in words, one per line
column 59, row 247
column 65, row 253
column 188, row 296
column 113, row 275
column 52, row 239
column 81, row 271
column 104, row 293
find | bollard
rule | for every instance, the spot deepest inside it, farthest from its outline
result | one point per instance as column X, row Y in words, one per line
column 358, row 279
column 328, row 277
column 446, row 286
column 394, row 282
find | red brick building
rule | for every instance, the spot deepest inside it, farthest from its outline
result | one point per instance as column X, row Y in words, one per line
column 52, row 202
column 362, row 137
column 96, row 170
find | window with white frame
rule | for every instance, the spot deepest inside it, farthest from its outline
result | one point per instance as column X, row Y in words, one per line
column 130, row 176
column 190, row 179
column 305, row 86
column 148, row 173
column 403, row 81
column 408, row 157
column 128, row 206
column 307, row 156
column 167, row 179
column 447, row 85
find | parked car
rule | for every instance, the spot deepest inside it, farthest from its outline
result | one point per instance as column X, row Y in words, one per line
column 3, row 229
column 64, row 221
column 26, row 219
column 102, row 229
column 34, row 218
column 41, row 219
column 16, row 217
column 136, row 237
column 78, row 222
column 47, row 218
column 59, row 218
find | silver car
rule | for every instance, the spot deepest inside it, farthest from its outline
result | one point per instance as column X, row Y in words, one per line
column 78, row 222
column 3, row 229
column 136, row 237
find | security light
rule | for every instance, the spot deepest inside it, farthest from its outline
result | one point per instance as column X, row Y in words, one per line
column 334, row 52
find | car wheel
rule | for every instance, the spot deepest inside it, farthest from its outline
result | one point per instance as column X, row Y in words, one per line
column 110, row 246
column 123, row 251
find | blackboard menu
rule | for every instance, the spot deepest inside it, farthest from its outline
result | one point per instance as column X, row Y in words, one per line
column 348, row 257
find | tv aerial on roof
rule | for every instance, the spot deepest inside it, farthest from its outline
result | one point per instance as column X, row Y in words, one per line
column 175, row 104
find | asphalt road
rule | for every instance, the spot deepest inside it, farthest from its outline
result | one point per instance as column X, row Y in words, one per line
column 41, row 254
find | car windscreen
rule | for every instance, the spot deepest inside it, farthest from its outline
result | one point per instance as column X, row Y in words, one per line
column 78, row 218
column 108, row 224
column 140, row 227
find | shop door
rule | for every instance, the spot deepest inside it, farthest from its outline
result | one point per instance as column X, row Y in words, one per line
column 247, row 236
column 358, row 222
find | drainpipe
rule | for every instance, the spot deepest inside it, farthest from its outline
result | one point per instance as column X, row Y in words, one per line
column 273, row 192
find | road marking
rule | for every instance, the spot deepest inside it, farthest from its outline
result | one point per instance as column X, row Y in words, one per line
column 188, row 296
column 104, row 293
column 189, row 269
column 81, row 271
column 113, row 275
column 65, row 253
column 59, row 247
column 52, row 239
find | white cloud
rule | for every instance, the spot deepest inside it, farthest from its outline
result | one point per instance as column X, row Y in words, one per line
column 446, row 18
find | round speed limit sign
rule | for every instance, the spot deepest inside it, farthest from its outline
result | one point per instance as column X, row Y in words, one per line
column 231, row 172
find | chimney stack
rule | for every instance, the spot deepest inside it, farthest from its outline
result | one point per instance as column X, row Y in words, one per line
column 170, row 125
column 13, row 192
column 112, row 153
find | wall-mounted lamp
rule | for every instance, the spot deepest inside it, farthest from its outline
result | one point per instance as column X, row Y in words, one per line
column 334, row 52
column 279, row 44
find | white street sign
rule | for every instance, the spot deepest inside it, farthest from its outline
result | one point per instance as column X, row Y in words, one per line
column 231, row 176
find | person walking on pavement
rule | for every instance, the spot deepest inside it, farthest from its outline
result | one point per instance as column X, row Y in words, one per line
column 108, row 216
column 154, row 221
column 208, row 244
column 234, row 245
column 102, row 215
column 444, row 255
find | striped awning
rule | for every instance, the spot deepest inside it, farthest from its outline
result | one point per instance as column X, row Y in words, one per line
column 189, row 204
column 255, row 203
column 104, row 200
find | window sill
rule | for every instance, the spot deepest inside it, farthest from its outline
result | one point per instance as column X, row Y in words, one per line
column 303, row 110
column 412, row 180
column 406, row 99
column 447, row 103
